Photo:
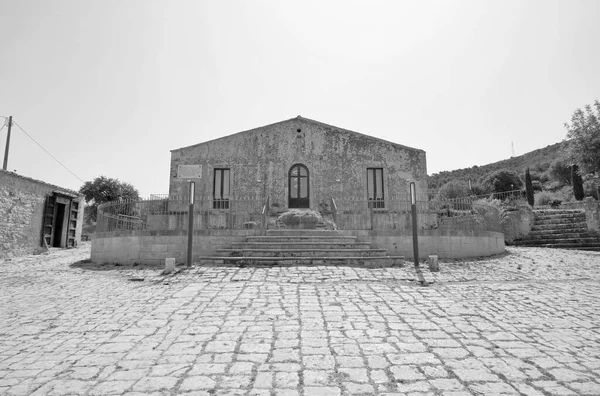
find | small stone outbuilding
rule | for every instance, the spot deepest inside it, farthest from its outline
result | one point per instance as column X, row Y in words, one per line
column 298, row 163
column 35, row 215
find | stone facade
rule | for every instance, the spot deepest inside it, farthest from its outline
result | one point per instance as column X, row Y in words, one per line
column 22, row 210
column 259, row 162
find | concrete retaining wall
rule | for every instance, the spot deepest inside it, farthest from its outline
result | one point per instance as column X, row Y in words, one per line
column 445, row 244
column 152, row 247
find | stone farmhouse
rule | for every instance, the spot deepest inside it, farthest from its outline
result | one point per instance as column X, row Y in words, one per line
column 299, row 163
column 35, row 215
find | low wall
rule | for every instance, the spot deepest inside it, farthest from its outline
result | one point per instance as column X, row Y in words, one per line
column 445, row 244
column 152, row 247
column 592, row 214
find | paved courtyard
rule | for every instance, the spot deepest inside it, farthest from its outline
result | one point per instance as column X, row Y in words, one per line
column 524, row 323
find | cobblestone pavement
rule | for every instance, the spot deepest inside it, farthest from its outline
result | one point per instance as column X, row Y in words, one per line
column 524, row 323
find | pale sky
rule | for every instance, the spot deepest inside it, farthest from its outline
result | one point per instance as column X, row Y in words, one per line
column 109, row 87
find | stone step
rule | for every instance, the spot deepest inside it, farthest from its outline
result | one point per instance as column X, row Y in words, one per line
column 562, row 241
column 302, row 245
column 317, row 260
column 303, row 252
column 595, row 248
column 562, row 220
column 301, row 238
column 554, row 212
column 296, row 232
column 580, row 225
column 556, row 234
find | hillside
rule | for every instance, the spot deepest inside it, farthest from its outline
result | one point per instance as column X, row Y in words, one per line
column 538, row 162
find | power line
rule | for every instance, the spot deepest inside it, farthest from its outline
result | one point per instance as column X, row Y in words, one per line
column 47, row 152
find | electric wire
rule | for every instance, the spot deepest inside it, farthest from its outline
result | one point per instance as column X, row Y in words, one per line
column 47, row 152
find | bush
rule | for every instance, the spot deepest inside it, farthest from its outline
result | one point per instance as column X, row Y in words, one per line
column 296, row 216
column 453, row 189
column 560, row 171
column 545, row 198
column 577, row 182
column 589, row 187
column 502, row 180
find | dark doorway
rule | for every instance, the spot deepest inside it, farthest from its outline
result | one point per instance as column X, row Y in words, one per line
column 298, row 187
column 58, row 228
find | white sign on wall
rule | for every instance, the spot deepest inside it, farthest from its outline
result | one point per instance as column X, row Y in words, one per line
column 189, row 171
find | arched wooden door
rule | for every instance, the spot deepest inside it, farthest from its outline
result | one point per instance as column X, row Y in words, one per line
column 298, row 187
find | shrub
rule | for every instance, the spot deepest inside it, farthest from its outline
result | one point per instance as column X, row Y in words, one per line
column 502, row 180
column 577, row 182
column 453, row 189
column 297, row 216
column 560, row 171
column 545, row 198
column 529, row 187
column 590, row 189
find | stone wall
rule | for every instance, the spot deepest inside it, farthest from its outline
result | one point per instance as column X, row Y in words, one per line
column 337, row 160
column 517, row 224
column 152, row 247
column 22, row 202
column 455, row 244
column 592, row 214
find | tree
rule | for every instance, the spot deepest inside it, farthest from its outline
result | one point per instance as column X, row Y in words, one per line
column 577, row 183
column 584, row 135
column 103, row 189
column 453, row 189
column 502, row 180
column 560, row 171
column 529, row 188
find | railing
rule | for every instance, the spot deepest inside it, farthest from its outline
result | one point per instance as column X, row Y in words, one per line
column 396, row 214
column 172, row 214
column 333, row 209
column 266, row 213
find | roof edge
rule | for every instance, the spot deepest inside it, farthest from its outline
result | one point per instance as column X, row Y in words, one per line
column 61, row 189
column 307, row 120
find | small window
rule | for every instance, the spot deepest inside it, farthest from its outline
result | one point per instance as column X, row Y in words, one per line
column 221, row 189
column 375, row 188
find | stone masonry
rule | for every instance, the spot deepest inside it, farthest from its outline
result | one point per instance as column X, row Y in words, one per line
column 521, row 324
column 22, row 203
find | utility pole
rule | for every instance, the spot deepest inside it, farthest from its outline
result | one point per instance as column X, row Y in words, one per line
column 7, row 143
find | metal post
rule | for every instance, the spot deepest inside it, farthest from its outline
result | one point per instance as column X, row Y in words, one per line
column 190, row 225
column 4, row 166
column 413, row 203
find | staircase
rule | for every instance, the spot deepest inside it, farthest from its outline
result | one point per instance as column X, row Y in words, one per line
column 558, row 228
column 285, row 246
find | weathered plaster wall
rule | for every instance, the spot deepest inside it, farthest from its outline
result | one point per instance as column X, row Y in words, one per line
column 22, row 203
column 337, row 161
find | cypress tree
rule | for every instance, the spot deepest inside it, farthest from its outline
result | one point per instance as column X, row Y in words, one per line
column 577, row 183
column 529, row 187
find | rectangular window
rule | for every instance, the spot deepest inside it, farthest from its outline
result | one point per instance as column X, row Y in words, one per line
column 221, row 189
column 375, row 187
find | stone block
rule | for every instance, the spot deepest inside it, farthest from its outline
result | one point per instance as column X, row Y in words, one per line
column 433, row 263
column 169, row 265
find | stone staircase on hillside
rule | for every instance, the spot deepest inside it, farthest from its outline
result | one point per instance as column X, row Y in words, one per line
column 285, row 246
column 560, row 228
